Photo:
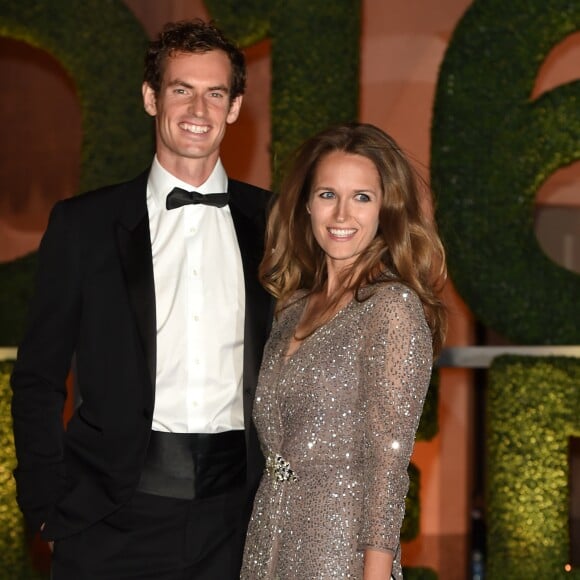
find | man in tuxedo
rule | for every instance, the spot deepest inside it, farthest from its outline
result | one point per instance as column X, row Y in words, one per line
column 151, row 287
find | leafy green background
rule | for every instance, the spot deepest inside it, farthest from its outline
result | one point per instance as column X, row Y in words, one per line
column 492, row 147
column 100, row 44
column 533, row 406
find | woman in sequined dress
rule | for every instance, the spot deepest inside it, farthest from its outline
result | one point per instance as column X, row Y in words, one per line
column 355, row 266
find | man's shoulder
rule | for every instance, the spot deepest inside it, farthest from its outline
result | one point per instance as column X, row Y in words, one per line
column 136, row 184
column 112, row 193
column 250, row 199
column 241, row 187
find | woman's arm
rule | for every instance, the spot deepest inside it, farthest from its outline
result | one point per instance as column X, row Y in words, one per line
column 378, row 565
column 394, row 381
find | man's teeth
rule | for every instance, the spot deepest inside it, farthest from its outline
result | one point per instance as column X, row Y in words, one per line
column 341, row 233
column 195, row 128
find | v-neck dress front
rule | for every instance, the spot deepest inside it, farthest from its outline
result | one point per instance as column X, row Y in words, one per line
column 337, row 422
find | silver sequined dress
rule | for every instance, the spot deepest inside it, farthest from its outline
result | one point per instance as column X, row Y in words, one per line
column 337, row 422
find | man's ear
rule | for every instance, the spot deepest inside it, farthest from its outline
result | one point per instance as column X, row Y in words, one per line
column 149, row 99
column 234, row 111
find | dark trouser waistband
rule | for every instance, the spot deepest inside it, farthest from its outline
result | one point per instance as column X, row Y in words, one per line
column 194, row 465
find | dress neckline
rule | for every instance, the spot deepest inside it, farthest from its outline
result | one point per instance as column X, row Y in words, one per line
column 288, row 356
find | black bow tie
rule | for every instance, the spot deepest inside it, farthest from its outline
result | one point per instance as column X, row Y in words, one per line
column 178, row 197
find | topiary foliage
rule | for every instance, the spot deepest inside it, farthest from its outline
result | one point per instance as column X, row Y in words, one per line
column 428, row 428
column 411, row 522
column 429, row 424
column 419, row 573
column 15, row 561
column 492, row 148
column 248, row 22
column 315, row 63
column 100, row 45
column 532, row 411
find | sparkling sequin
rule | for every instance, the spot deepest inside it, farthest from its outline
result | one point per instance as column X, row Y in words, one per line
column 342, row 411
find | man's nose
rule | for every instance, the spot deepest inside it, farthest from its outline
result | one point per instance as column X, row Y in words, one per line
column 197, row 105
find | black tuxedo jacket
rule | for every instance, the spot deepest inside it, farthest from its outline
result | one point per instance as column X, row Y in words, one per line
column 95, row 303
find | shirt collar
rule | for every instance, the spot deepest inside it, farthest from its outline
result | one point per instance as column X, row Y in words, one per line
column 161, row 182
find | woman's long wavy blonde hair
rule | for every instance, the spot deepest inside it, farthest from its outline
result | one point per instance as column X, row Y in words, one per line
column 406, row 247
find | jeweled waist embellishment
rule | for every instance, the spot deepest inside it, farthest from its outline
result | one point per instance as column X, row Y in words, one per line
column 279, row 469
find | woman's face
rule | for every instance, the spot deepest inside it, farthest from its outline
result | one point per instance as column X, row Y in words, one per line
column 344, row 207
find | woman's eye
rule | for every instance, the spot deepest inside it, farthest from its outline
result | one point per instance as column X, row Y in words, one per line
column 362, row 197
column 327, row 195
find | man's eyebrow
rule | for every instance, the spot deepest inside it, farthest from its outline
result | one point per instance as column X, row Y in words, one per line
column 219, row 88
column 180, row 83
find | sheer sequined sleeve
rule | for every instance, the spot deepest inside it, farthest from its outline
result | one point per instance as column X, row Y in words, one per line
column 396, row 373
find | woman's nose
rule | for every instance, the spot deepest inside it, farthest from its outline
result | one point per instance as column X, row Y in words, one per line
column 340, row 211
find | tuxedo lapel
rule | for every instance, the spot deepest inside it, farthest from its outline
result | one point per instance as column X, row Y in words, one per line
column 134, row 244
column 250, row 250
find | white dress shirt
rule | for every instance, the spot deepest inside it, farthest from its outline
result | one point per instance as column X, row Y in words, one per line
column 200, row 302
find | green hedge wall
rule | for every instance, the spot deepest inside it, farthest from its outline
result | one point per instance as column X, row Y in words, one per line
column 492, row 148
column 100, row 45
column 533, row 408
column 15, row 562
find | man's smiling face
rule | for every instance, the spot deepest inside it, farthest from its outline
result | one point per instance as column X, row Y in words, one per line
column 193, row 107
